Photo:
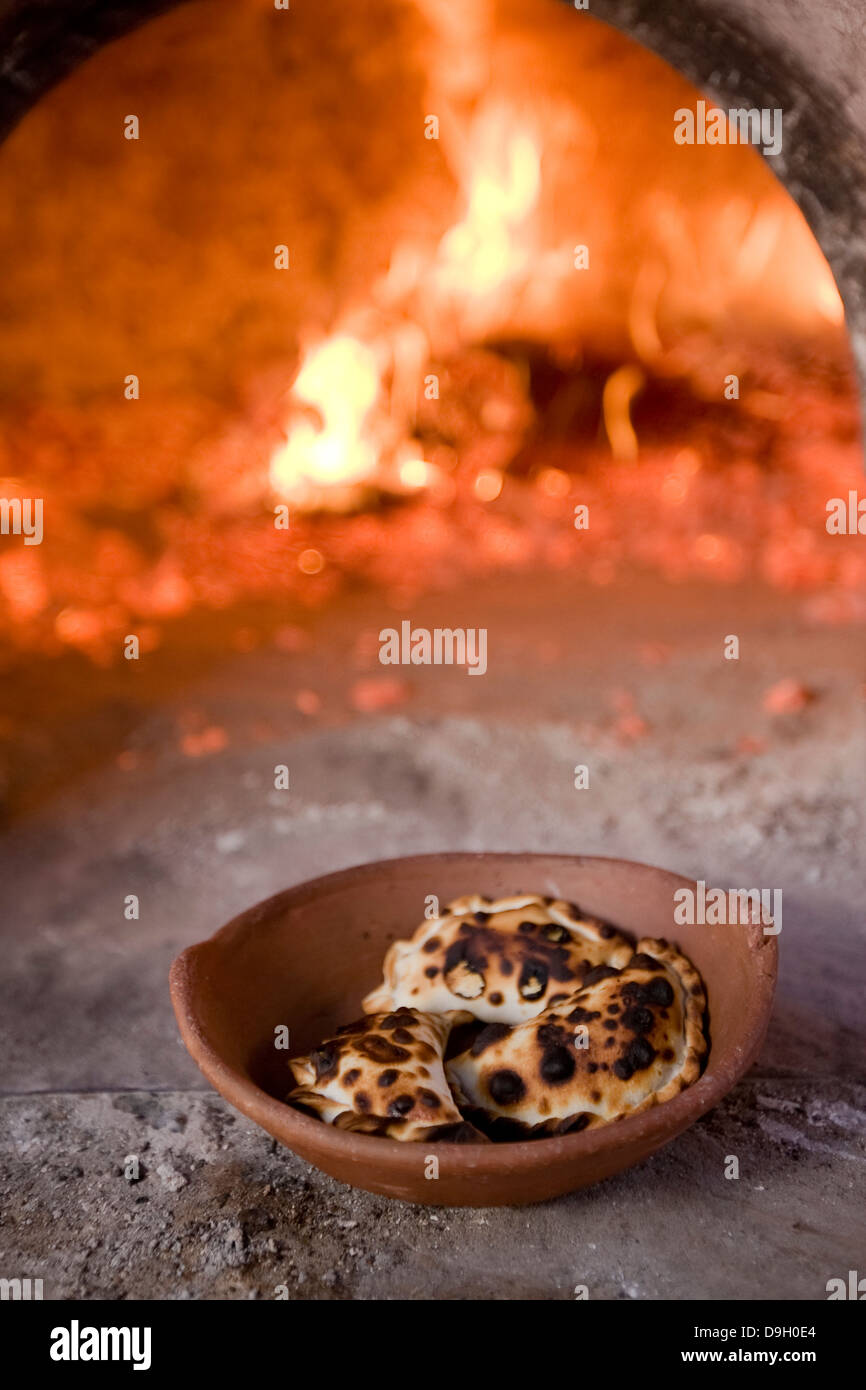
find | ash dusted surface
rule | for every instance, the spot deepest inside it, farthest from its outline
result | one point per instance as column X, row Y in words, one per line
column 221, row 1211
column 688, row 771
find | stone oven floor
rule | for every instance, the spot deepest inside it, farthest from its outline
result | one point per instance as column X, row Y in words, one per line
column 689, row 770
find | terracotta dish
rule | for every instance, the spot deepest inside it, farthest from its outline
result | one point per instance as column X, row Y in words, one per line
column 306, row 958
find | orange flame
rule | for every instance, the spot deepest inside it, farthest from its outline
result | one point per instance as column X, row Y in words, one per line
column 486, row 249
column 340, row 381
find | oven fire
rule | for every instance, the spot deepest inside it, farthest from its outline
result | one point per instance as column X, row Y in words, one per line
column 551, row 307
column 354, row 401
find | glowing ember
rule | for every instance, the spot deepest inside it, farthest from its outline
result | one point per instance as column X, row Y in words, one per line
column 415, row 473
column 200, row 744
column 311, row 562
column 488, row 484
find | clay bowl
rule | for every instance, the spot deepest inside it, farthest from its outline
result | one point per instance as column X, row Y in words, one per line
column 306, row 957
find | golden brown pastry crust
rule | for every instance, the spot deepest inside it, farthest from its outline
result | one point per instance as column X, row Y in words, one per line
column 504, row 960
column 384, row 1075
column 643, row 1027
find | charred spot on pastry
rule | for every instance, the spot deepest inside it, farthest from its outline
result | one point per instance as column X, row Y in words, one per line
column 573, row 1123
column 640, row 1054
column 395, row 1020
column 481, row 917
column 641, row 961
column 465, row 963
column 387, row 1077
column 592, row 1066
column 556, row 999
column 613, row 1008
column 659, row 992
column 527, row 928
column 379, row 1049
column 402, row 1035
column 351, row 1076
column 325, row 1059
column 362, row 1101
column 595, row 1097
column 623, row 1068
column 362, row 1124
column 496, row 998
column 581, row 1015
column 502, row 1127
column 506, row 1087
column 668, row 1054
column 696, row 989
column 557, row 1065
column 464, row 981
column 533, row 979
column 506, row 965
column 552, row 931
column 360, row 1025
column 606, row 931
column 400, row 1105
column 597, row 973
column 638, row 1019
column 429, row 1099
column 431, row 972
column 611, row 1024
column 552, row 1034
column 461, row 1133
column 610, row 1042
column 432, row 945
column 488, row 1036
column 559, row 964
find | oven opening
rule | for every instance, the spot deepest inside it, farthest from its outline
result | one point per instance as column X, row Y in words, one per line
column 299, row 314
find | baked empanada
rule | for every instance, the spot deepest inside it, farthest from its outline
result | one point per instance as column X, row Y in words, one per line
column 626, row 1040
column 503, row 961
column 384, row 1075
